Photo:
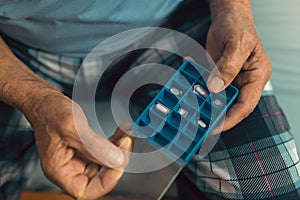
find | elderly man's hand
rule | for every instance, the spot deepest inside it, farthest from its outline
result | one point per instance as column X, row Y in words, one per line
column 239, row 55
column 65, row 159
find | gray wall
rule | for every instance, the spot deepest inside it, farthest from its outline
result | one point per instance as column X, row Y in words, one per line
column 278, row 25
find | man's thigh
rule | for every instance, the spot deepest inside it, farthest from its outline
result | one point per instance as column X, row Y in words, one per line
column 257, row 159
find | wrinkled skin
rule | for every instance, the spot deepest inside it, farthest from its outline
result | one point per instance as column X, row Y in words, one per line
column 233, row 44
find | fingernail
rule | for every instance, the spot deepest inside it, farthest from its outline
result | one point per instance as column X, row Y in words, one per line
column 115, row 158
column 216, row 84
column 188, row 58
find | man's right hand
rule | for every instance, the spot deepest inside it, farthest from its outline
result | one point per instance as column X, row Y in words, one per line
column 65, row 159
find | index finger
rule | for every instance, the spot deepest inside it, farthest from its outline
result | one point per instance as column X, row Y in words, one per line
column 107, row 178
column 229, row 65
column 245, row 104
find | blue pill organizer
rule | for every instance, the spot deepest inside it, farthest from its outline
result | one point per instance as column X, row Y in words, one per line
column 183, row 113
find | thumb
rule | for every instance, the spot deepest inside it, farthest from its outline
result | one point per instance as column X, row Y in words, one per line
column 227, row 67
column 100, row 150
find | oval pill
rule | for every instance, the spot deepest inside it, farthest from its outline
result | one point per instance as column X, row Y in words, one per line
column 162, row 108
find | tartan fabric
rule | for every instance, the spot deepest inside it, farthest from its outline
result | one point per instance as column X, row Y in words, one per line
column 255, row 160
column 17, row 152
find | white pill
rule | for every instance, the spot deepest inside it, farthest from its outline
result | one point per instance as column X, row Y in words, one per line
column 183, row 112
column 162, row 108
column 198, row 89
column 218, row 102
column 201, row 123
column 175, row 91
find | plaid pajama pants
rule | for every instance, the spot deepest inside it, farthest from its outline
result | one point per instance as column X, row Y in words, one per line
column 257, row 159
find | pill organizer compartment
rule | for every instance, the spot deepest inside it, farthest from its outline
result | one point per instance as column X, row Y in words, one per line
column 169, row 131
column 178, row 135
column 176, row 85
column 143, row 129
column 187, row 77
column 160, row 139
column 167, row 98
column 176, row 120
column 177, row 153
column 186, row 110
column 218, row 101
column 192, row 99
column 192, row 71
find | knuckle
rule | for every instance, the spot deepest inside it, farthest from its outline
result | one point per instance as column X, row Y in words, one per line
column 46, row 164
column 228, row 71
column 108, row 189
column 67, row 123
column 243, row 116
column 232, row 44
column 245, row 41
column 46, row 170
column 265, row 71
column 269, row 69
column 232, row 39
column 249, row 107
column 249, row 37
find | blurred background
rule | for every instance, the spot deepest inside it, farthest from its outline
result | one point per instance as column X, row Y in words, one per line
column 278, row 25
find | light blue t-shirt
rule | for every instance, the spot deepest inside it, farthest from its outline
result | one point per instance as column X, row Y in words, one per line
column 75, row 27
